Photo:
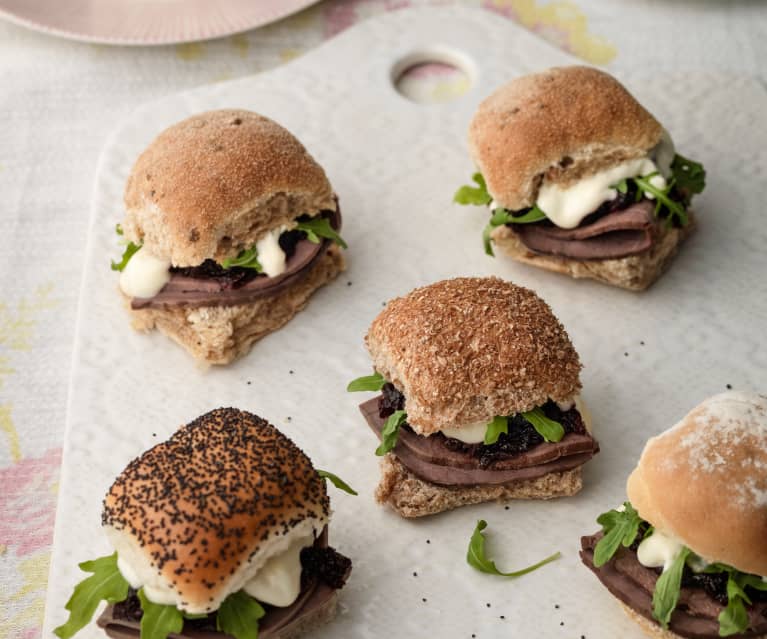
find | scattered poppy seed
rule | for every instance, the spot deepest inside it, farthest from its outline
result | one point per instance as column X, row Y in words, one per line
column 505, row 507
column 488, row 605
column 561, row 623
column 290, row 419
column 729, row 386
column 423, row 599
column 428, row 541
column 625, row 354
column 154, row 434
column 291, row 372
column 641, row 343
column 415, row 574
column 503, row 617
column 348, row 283
column 556, row 606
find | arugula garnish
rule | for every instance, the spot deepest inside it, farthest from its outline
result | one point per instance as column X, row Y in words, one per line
column 734, row 619
column 314, row 228
column 619, row 527
column 318, row 227
column 476, row 195
column 372, row 382
column 105, row 584
column 238, row 616
column 246, row 259
column 479, row 195
column 667, row 588
column 337, row 481
column 502, row 217
column 495, row 428
column 689, row 176
column 476, row 558
column 157, row 620
column 550, row 430
column 390, row 432
column 675, row 209
column 129, row 252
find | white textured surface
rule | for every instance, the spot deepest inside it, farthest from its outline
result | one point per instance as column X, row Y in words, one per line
column 395, row 165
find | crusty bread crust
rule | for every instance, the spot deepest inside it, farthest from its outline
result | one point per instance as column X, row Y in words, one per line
column 634, row 272
column 221, row 334
column 214, row 183
column 411, row 496
column 209, row 502
column 468, row 349
column 558, row 125
column 704, row 481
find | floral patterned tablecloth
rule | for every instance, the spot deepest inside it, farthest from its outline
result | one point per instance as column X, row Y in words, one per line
column 61, row 99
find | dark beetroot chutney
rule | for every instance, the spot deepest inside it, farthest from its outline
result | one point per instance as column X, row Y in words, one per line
column 521, row 437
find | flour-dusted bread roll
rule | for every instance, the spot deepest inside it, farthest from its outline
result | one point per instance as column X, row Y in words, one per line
column 580, row 178
column 231, row 226
column 480, row 388
column 686, row 555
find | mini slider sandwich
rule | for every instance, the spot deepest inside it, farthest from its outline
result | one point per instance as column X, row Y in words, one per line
column 479, row 398
column 230, row 227
column 687, row 554
column 580, row 178
column 221, row 531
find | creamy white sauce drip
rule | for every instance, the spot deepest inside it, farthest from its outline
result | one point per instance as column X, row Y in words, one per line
column 144, row 275
column 663, row 154
column 270, row 255
column 468, row 434
column 566, row 207
column 276, row 582
column 659, row 550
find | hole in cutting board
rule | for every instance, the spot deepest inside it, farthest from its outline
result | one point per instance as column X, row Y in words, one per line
column 432, row 75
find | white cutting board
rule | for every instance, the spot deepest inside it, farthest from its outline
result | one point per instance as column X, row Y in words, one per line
column 395, row 165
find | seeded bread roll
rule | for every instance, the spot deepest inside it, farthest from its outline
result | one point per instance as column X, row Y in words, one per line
column 207, row 508
column 559, row 125
column 633, row 272
column 468, row 349
column 704, row 481
column 211, row 185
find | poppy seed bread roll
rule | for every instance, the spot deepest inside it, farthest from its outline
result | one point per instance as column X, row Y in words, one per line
column 207, row 509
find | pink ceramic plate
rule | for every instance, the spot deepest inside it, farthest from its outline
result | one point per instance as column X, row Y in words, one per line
column 143, row 22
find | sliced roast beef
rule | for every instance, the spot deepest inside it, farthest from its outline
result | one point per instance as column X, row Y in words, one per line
column 431, row 458
column 617, row 234
column 696, row 615
column 187, row 291
column 198, row 286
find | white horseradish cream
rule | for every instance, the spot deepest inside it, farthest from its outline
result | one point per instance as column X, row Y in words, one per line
column 144, row 275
